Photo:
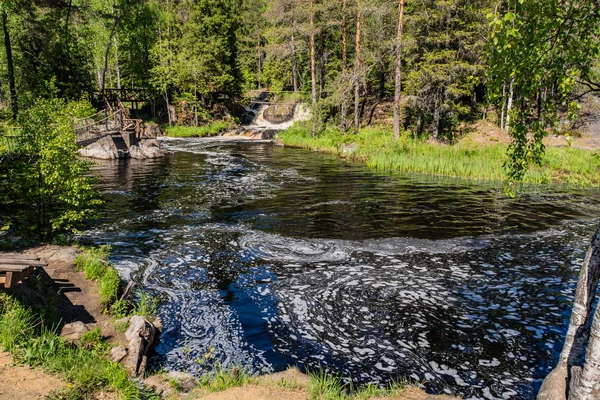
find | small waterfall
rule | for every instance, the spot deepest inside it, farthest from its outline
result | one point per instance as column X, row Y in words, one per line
column 301, row 113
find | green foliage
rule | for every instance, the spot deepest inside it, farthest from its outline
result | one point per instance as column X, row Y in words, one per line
column 146, row 305
column 93, row 339
column 210, row 129
column 197, row 54
column 120, row 309
column 447, row 40
column 540, row 61
column 48, row 191
column 378, row 150
column 108, row 287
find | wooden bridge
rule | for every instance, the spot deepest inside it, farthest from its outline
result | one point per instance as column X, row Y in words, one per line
column 114, row 123
column 137, row 97
column 124, row 130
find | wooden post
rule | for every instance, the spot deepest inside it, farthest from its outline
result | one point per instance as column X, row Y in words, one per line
column 12, row 278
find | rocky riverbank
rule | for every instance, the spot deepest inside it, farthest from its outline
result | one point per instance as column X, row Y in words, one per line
column 111, row 147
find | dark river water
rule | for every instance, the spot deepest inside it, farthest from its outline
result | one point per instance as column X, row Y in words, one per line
column 265, row 257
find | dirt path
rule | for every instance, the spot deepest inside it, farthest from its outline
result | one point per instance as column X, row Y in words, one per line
column 23, row 383
column 79, row 299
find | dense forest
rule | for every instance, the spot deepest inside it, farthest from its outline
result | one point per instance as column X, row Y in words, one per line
column 337, row 55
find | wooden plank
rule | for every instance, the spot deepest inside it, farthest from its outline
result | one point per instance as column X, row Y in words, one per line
column 22, row 262
column 14, row 268
column 19, row 255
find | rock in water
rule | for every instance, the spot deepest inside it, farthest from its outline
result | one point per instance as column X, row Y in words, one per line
column 140, row 335
column 151, row 130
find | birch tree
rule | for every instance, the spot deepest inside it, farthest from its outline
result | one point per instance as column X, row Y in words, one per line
column 398, row 76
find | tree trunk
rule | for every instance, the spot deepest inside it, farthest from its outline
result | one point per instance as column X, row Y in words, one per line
column 313, row 75
column 510, row 104
column 503, row 106
column 14, row 102
column 588, row 386
column 294, row 62
column 258, row 60
column 321, row 63
column 398, row 83
column 118, row 72
column 108, row 45
column 344, row 65
column 556, row 384
column 436, row 121
column 357, row 72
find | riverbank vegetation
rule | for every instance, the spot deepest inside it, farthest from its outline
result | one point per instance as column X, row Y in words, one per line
column 209, row 129
column 28, row 330
column 376, row 147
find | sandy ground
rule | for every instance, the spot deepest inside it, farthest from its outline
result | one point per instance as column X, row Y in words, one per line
column 24, row 383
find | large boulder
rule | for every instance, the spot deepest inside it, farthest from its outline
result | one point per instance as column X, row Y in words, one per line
column 102, row 149
column 146, row 149
column 151, row 130
column 279, row 113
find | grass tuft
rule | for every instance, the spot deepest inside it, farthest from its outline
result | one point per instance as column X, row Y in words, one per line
column 324, row 386
column 94, row 263
column 222, row 379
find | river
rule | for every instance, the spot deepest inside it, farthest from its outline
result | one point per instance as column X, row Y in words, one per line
column 265, row 257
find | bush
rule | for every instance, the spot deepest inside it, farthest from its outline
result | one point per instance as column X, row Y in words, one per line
column 47, row 187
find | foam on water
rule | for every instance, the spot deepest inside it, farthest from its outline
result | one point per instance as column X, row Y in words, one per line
column 481, row 314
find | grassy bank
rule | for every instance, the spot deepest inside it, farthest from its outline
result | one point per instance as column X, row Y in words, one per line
column 315, row 386
column 467, row 159
column 32, row 339
column 210, row 129
column 30, row 322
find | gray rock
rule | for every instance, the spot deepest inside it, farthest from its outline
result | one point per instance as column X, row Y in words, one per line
column 161, row 386
column 74, row 331
column 140, row 336
column 152, row 130
column 185, row 382
column 279, row 113
column 118, row 353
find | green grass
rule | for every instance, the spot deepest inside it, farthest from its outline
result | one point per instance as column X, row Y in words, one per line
column 376, row 147
column 222, row 379
column 94, row 263
column 27, row 337
column 210, row 129
column 324, row 386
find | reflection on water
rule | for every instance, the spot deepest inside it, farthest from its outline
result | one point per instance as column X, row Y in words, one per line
column 265, row 257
